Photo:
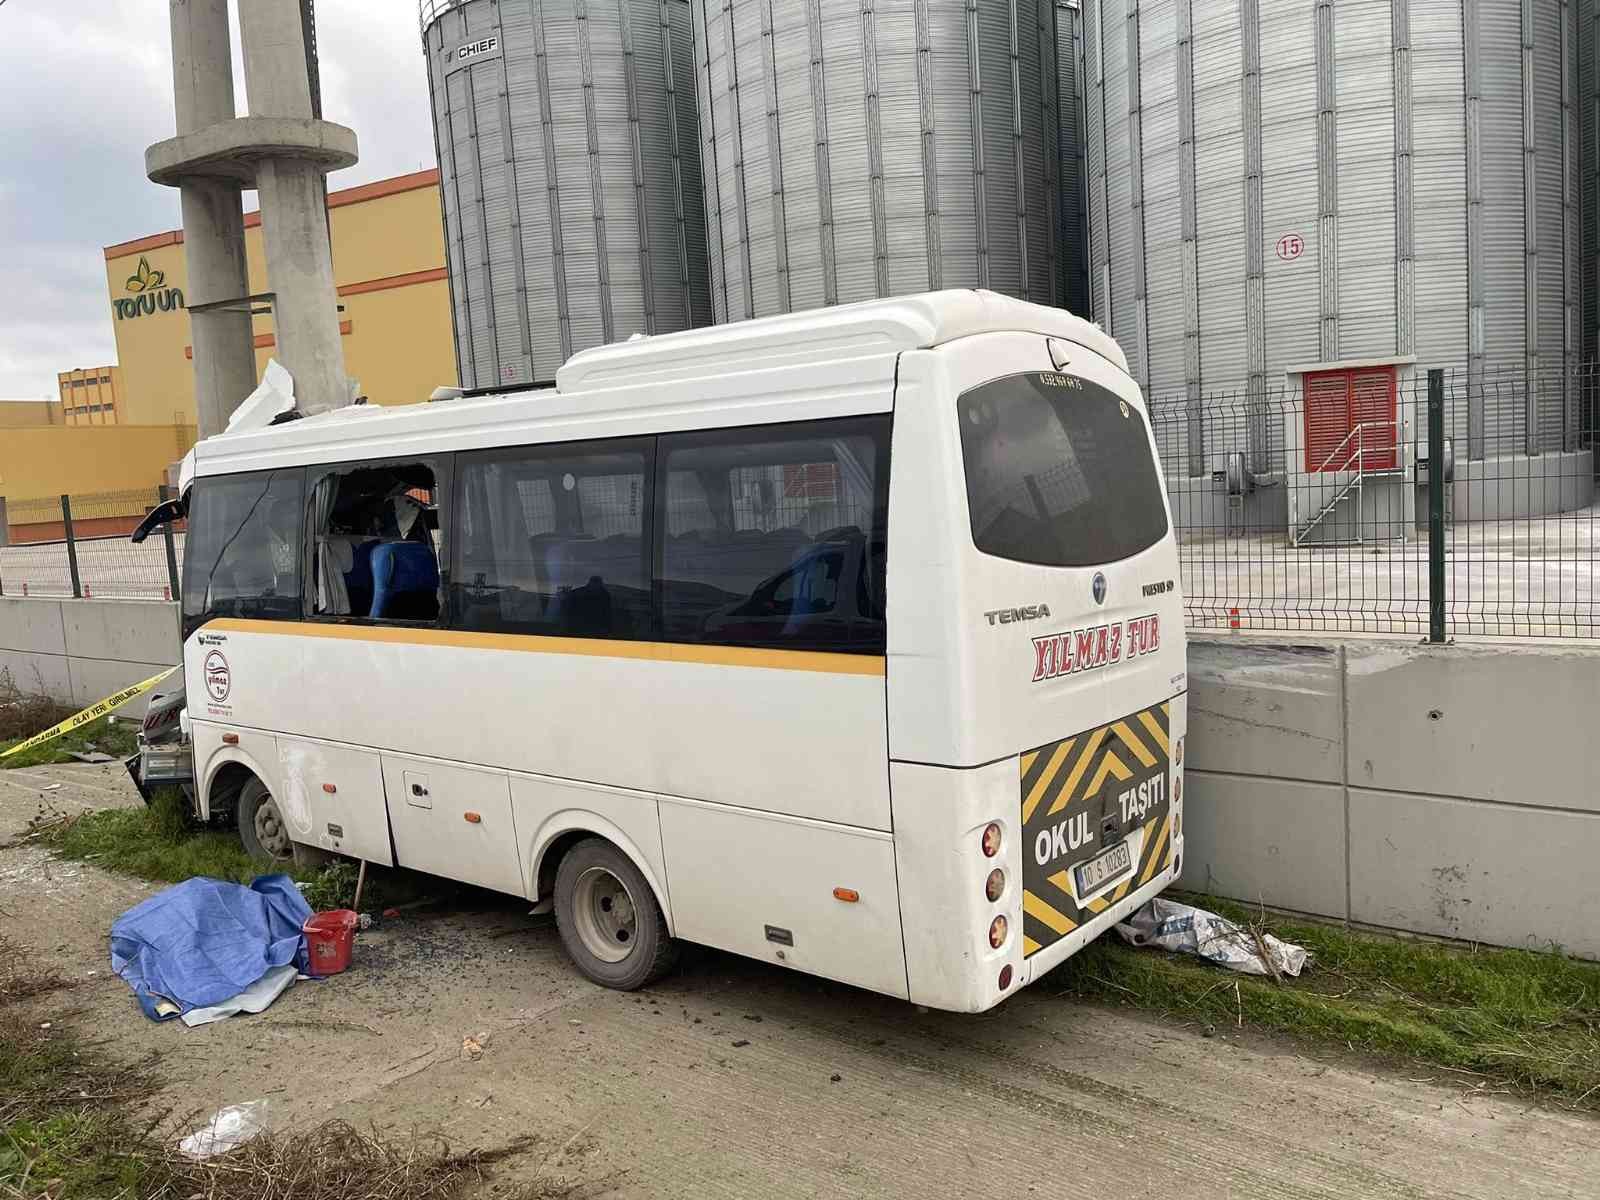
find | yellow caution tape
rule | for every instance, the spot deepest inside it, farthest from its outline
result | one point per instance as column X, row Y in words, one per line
column 95, row 711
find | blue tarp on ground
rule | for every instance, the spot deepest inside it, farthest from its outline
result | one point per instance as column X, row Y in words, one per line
column 204, row 941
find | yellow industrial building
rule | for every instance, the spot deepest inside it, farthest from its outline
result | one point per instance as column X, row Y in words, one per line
column 394, row 302
column 119, row 427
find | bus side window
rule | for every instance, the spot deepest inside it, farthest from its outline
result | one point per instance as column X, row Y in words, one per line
column 774, row 536
column 373, row 548
column 554, row 540
column 242, row 556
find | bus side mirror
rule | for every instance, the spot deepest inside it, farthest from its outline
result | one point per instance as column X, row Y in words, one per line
column 162, row 514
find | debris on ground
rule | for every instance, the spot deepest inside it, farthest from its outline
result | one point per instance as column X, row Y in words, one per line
column 227, row 1129
column 1168, row 925
column 472, row 1047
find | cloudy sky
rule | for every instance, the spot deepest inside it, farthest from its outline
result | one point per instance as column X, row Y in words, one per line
column 88, row 85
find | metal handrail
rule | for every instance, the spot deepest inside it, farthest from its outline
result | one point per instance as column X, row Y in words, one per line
column 1361, row 451
column 429, row 10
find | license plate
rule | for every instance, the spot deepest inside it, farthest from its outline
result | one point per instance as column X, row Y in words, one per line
column 1095, row 873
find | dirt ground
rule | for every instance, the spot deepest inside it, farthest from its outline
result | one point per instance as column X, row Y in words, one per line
column 736, row 1079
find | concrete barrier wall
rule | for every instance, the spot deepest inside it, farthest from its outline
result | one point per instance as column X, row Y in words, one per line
column 81, row 650
column 1451, row 790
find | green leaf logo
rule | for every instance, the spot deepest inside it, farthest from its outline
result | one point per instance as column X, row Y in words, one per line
column 144, row 279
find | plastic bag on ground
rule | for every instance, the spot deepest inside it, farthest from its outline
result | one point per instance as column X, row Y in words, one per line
column 228, row 1129
column 1168, row 925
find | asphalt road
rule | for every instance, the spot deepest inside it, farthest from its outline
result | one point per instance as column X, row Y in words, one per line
column 737, row 1079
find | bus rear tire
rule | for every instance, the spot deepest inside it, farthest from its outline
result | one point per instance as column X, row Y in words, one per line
column 610, row 923
column 261, row 828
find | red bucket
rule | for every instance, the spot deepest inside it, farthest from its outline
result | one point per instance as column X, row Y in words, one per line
column 330, row 940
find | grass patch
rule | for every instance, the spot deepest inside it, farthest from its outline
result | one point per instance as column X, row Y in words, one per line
column 69, row 1130
column 25, row 713
column 160, row 842
column 1518, row 1019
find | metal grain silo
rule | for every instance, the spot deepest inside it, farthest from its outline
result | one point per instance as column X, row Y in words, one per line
column 1275, row 184
column 570, row 168
column 862, row 148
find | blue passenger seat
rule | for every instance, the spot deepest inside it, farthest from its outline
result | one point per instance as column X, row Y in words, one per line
column 405, row 578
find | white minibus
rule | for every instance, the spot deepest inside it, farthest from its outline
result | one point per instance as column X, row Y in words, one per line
column 850, row 640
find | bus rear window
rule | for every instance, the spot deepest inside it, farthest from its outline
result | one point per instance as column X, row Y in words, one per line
column 1059, row 472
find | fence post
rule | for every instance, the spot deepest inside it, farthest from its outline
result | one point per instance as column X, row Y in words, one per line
column 72, row 547
column 165, row 494
column 1436, row 505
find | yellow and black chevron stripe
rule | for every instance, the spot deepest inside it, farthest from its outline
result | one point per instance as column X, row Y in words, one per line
column 1072, row 811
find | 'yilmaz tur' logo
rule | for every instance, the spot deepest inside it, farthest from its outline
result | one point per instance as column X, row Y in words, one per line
column 149, row 293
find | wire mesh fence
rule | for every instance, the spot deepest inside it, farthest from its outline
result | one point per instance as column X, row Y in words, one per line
column 78, row 546
column 1308, row 507
column 1302, row 508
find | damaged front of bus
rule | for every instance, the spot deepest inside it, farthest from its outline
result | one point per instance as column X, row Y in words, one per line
column 1037, row 678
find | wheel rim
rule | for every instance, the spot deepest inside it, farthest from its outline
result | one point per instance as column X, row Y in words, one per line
column 604, row 915
column 268, row 822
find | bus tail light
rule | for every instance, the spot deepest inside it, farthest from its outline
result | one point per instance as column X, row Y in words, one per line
column 1177, row 755
column 997, row 932
column 1177, row 789
column 1005, row 977
column 991, row 839
column 995, row 884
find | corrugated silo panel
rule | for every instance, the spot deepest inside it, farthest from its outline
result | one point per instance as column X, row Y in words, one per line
column 1364, row 76
column 706, row 71
column 760, row 155
column 1589, row 156
column 433, row 45
column 475, row 297
column 1163, row 209
column 562, row 156
column 1439, row 189
column 1550, row 348
column 1219, row 196
column 848, row 150
column 536, row 202
column 695, row 255
column 1095, row 182
column 1121, row 244
column 1072, row 105
column 1289, row 184
column 1039, row 151
column 900, row 121
column 1001, row 196
column 874, row 149
column 1500, row 121
column 953, row 139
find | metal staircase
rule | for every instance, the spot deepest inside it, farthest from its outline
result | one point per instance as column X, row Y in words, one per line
column 1343, row 508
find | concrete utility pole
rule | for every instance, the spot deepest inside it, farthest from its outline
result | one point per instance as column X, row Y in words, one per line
column 213, row 218
column 283, row 151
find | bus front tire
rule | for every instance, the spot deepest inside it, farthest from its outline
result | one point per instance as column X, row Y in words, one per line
column 610, row 923
column 261, row 827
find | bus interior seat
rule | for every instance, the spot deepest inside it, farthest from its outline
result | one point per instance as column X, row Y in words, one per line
column 405, row 581
column 358, row 579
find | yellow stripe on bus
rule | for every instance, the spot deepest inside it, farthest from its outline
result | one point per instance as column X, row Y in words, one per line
column 1109, row 765
column 1029, row 946
column 1154, row 728
column 1064, row 796
column 1131, row 740
column 1042, row 784
column 1046, row 915
column 1063, row 881
column 1155, row 855
column 718, row 656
